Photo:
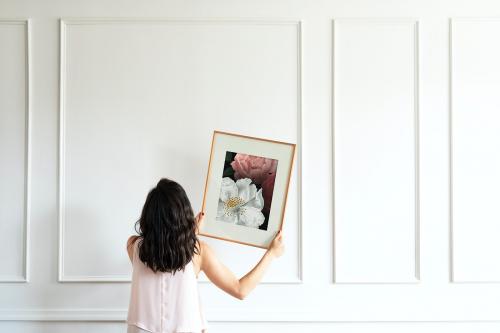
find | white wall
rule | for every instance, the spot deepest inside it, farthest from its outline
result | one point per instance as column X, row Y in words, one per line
column 391, row 221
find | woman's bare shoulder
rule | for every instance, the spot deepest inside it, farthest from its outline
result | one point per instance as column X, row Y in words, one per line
column 131, row 240
column 207, row 254
column 130, row 248
column 205, row 248
column 198, row 256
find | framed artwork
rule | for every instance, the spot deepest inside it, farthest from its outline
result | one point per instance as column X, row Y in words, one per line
column 246, row 188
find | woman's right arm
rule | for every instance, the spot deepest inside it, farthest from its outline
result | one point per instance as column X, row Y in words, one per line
column 222, row 276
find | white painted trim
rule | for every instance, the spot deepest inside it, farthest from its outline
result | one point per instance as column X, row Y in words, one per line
column 416, row 97
column 220, row 315
column 417, row 149
column 384, row 20
column 332, row 151
column 179, row 20
column 450, row 146
column 474, row 19
column 450, row 150
column 27, row 152
column 119, row 278
column 62, row 84
column 298, row 163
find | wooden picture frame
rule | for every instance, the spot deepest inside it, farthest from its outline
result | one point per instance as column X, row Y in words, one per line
column 246, row 188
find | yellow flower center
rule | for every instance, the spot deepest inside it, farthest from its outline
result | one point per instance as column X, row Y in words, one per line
column 234, row 202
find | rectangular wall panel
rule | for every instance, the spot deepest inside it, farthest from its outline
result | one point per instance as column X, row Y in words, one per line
column 14, row 149
column 139, row 101
column 376, row 226
column 475, row 150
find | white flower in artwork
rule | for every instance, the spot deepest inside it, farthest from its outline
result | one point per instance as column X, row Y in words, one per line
column 240, row 203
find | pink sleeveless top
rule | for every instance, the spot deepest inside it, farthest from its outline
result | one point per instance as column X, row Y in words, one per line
column 164, row 302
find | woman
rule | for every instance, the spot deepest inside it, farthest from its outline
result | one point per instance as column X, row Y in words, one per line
column 167, row 257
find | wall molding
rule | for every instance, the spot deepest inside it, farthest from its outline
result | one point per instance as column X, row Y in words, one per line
column 27, row 151
column 64, row 22
column 451, row 258
column 395, row 20
column 450, row 150
column 216, row 316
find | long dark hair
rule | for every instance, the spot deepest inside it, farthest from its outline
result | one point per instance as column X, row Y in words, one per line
column 167, row 228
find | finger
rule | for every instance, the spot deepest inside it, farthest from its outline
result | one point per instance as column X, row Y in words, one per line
column 198, row 217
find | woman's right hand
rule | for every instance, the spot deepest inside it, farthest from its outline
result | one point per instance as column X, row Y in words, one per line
column 198, row 221
column 277, row 248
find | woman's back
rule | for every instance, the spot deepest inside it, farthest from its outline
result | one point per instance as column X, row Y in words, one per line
column 164, row 302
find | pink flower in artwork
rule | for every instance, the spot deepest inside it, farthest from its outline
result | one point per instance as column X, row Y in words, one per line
column 253, row 167
column 267, row 191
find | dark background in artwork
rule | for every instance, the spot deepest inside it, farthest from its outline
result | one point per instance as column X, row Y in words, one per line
column 229, row 172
